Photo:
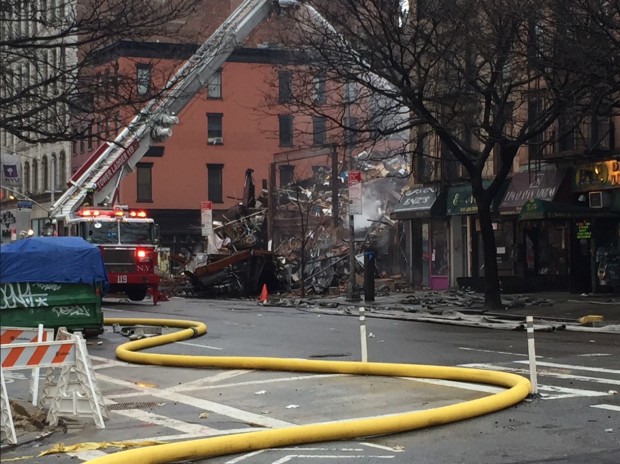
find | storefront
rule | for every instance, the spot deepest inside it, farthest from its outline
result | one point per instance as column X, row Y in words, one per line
column 539, row 240
column 423, row 209
column 597, row 236
column 465, row 239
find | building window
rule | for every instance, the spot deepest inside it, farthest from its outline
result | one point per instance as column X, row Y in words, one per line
column 62, row 170
column 319, row 95
column 350, row 131
column 286, row 174
column 350, row 92
column 143, row 78
column 214, row 180
column 145, row 182
column 285, row 122
column 26, row 185
column 319, row 125
column 45, row 173
column 214, row 85
column 214, row 129
column 285, row 94
column 35, row 177
column 536, row 145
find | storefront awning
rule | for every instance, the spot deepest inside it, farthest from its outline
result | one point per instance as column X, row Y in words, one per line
column 524, row 186
column 460, row 200
column 419, row 202
column 542, row 209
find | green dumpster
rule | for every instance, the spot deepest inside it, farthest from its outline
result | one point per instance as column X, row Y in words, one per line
column 54, row 281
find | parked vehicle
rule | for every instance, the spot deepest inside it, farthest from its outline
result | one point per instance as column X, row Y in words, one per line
column 54, row 281
column 128, row 241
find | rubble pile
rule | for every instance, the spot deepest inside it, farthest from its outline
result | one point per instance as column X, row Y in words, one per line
column 310, row 243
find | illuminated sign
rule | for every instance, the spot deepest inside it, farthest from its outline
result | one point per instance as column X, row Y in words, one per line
column 594, row 176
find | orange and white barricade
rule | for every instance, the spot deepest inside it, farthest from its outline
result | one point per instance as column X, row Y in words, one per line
column 67, row 399
column 10, row 335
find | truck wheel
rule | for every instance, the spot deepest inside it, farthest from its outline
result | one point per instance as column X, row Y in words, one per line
column 136, row 294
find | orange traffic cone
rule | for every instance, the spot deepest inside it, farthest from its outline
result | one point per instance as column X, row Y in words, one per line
column 264, row 295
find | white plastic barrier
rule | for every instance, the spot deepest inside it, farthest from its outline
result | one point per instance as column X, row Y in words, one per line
column 74, row 392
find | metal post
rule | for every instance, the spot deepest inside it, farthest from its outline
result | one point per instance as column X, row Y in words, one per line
column 353, row 293
column 531, row 353
column 363, row 334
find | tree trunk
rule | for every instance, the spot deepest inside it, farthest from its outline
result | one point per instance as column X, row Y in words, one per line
column 492, row 295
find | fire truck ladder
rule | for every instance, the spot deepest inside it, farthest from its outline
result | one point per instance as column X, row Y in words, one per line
column 102, row 173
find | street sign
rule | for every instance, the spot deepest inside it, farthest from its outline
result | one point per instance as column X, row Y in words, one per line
column 355, row 192
column 206, row 218
column 24, row 204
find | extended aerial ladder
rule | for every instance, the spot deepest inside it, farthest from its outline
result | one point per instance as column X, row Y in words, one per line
column 101, row 175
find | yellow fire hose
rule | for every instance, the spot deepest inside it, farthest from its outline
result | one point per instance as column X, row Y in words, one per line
column 518, row 388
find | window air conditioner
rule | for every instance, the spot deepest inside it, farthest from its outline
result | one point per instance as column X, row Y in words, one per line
column 216, row 140
column 599, row 199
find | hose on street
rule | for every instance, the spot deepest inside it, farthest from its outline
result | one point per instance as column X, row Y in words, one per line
column 516, row 387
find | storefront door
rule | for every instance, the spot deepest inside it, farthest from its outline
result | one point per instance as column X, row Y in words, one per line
column 439, row 255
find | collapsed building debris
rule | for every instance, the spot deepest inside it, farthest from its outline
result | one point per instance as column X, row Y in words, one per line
column 309, row 243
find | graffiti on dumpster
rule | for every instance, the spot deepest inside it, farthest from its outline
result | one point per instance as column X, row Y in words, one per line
column 71, row 311
column 20, row 295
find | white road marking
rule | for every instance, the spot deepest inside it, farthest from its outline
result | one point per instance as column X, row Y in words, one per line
column 208, row 347
column 205, row 405
column 244, row 457
column 275, row 380
column 385, row 448
column 107, row 362
column 576, row 368
column 205, row 382
column 460, row 385
column 609, row 407
column 186, row 436
column 164, row 421
column 593, row 354
column 560, row 391
column 327, row 456
column 494, row 352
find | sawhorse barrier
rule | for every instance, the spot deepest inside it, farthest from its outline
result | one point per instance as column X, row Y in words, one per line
column 11, row 335
column 73, row 392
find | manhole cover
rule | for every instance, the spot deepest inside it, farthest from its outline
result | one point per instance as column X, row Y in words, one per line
column 133, row 405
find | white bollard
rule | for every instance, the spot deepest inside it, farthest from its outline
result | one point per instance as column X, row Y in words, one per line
column 531, row 350
column 363, row 334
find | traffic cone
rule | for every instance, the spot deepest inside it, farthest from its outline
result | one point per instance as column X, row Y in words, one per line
column 264, row 295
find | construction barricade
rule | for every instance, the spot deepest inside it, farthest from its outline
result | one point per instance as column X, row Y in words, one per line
column 70, row 387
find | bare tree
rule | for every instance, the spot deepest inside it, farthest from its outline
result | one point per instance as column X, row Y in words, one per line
column 469, row 73
column 50, row 49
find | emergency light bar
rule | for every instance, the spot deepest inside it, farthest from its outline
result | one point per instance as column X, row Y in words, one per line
column 111, row 213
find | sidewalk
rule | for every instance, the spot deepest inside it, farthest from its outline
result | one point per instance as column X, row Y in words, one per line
column 551, row 311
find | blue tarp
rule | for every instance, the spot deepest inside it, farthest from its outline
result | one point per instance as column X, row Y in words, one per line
column 52, row 259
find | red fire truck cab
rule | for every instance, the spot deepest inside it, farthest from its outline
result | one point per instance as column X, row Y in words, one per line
column 128, row 241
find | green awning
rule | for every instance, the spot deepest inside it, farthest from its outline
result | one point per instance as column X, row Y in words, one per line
column 460, row 200
column 542, row 209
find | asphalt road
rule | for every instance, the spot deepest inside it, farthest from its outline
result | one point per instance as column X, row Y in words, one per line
column 575, row 418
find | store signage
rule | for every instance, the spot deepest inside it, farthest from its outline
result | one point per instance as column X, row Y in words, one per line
column 594, row 176
column 584, row 230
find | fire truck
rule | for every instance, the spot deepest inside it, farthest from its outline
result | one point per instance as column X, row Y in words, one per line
column 128, row 243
